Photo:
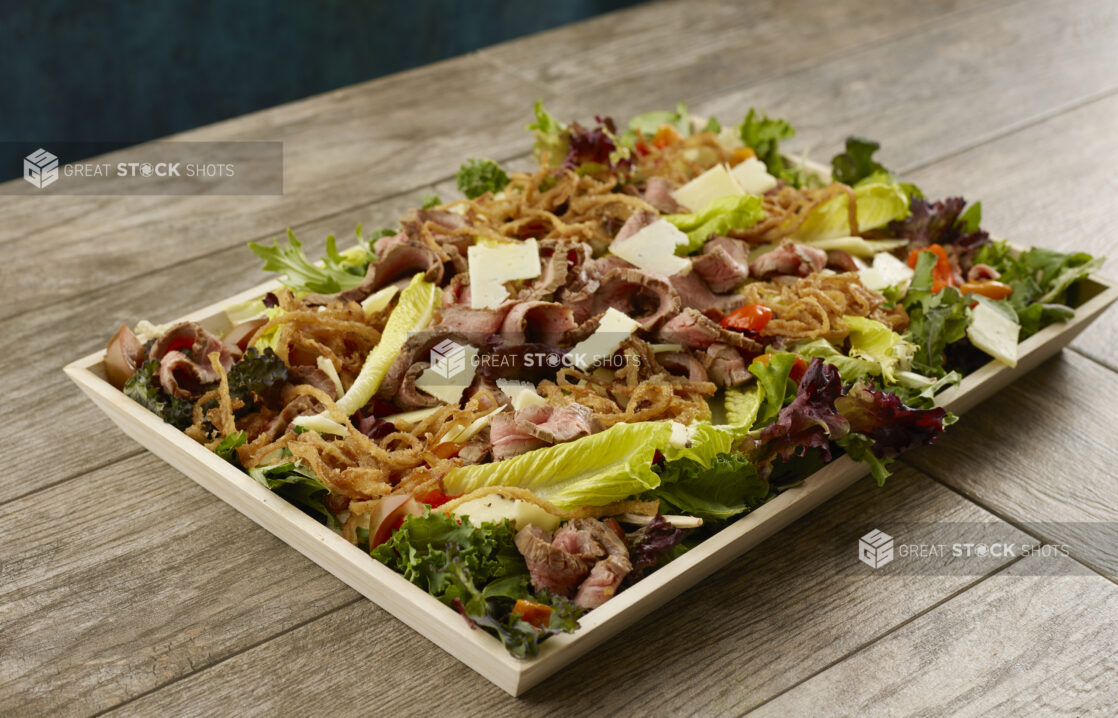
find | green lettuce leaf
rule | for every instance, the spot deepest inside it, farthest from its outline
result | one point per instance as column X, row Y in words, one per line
column 873, row 341
column 859, row 447
column 225, row 448
column 337, row 271
column 879, row 200
column 857, row 162
column 718, row 217
column 935, row 320
column 764, row 135
column 649, row 122
column 298, row 484
column 777, row 386
column 478, row 571
column 552, row 138
column 743, row 405
column 592, row 471
column 728, row 486
column 849, row 368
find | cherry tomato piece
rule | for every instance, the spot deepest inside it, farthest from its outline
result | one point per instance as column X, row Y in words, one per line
column 991, row 288
column 751, row 317
column 533, row 612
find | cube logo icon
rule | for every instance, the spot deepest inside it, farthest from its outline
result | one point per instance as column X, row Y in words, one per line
column 448, row 358
column 40, row 168
column 875, row 549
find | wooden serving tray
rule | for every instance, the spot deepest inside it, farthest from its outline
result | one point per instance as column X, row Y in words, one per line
column 444, row 626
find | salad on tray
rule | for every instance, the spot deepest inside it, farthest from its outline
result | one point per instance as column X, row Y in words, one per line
column 528, row 399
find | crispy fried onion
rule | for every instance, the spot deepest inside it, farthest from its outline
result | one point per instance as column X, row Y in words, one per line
column 788, row 207
column 813, row 306
column 555, row 203
column 641, row 390
column 341, row 332
column 680, row 162
column 644, row 508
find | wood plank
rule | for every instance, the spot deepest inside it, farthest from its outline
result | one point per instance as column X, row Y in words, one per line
column 345, row 148
column 685, row 49
column 918, row 95
column 1042, row 454
column 1065, row 204
column 341, row 151
column 715, row 642
column 1016, row 644
column 133, row 579
column 37, row 394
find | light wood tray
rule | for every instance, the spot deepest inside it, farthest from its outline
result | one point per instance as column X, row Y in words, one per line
column 444, row 626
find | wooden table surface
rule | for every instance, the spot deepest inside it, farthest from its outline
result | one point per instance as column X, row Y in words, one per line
column 127, row 589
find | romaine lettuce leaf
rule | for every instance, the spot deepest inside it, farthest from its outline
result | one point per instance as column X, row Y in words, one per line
column 592, row 471
column 730, row 485
column 774, row 381
column 718, row 217
column 879, row 200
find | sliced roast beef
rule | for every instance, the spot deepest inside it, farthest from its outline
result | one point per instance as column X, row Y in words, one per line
column 636, row 222
column 580, row 301
column 694, row 292
column 647, row 298
column 791, row 259
column 545, row 322
column 184, row 375
column 695, row 330
column 313, row 376
column 440, row 225
column 529, row 362
column 408, row 396
column 683, row 364
column 510, row 438
column 602, row 266
column 725, row 365
column 551, row 567
column 457, row 290
column 476, row 449
column 400, row 261
column 415, row 350
column 724, row 263
column 564, row 423
column 841, row 261
column 380, row 246
column 659, row 193
column 558, row 258
column 477, row 323
column 607, row 574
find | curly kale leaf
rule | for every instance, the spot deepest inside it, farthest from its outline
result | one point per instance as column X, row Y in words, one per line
column 144, row 388
column 477, row 176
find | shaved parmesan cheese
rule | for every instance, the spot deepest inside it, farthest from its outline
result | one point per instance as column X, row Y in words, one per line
column 521, row 393
column 994, row 333
column 328, row 369
column 653, row 249
column 715, row 183
column 461, row 433
column 495, row 509
column 491, row 267
column 613, row 329
column 752, row 177
column 378, row 300
column 887, row 271
column 449, row 376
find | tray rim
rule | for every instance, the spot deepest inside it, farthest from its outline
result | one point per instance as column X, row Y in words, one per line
column 441, row 625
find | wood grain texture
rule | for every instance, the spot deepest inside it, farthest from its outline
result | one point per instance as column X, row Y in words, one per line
column 1017, row 644
column 1050, row 185
column 341, row 150
column 133, row 578
column 349, row 147
column 774, row 617
column 1042, row 454
column 38, row 394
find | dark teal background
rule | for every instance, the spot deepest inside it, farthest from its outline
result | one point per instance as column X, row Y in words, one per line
column 125, row 72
